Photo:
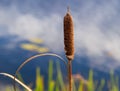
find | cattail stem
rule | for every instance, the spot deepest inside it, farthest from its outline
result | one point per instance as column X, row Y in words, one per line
column 70, row 75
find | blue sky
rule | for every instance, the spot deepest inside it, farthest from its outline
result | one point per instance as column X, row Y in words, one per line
column 97, row 29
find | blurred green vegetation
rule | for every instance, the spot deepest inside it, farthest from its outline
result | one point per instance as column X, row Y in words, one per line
column 79, row 83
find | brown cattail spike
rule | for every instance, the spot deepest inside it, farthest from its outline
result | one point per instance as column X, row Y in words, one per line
column 68, row 36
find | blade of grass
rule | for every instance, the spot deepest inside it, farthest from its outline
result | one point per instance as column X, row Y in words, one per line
column 90, row 85
column 114, row 83
column 80, row 88
column 74, row 85
column 51, row 83
column 102, row 83
column 39, row 81
column 60, row 78
column 57, row 85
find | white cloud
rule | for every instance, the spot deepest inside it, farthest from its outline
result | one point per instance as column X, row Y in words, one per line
column 98, row 33
column 28, row 26
column 90, row 34
column 96, row 28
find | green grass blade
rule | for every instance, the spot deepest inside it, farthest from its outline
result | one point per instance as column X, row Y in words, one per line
column 80, row 88
column 39, row 81
column 51, row 83
column 60, row 78
column 90, row 85
column 102, row 83
column 57, row 85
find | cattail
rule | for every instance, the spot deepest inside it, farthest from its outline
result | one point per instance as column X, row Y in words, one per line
column 68, row 36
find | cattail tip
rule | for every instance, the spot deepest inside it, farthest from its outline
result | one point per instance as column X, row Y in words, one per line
column 68, row 9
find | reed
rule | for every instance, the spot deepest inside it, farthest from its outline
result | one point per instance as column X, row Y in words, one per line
column 69, row 44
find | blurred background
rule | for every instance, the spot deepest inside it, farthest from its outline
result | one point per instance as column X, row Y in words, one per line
column 29, row 27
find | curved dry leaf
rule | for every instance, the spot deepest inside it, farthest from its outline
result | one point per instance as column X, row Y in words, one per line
column 18, row 81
